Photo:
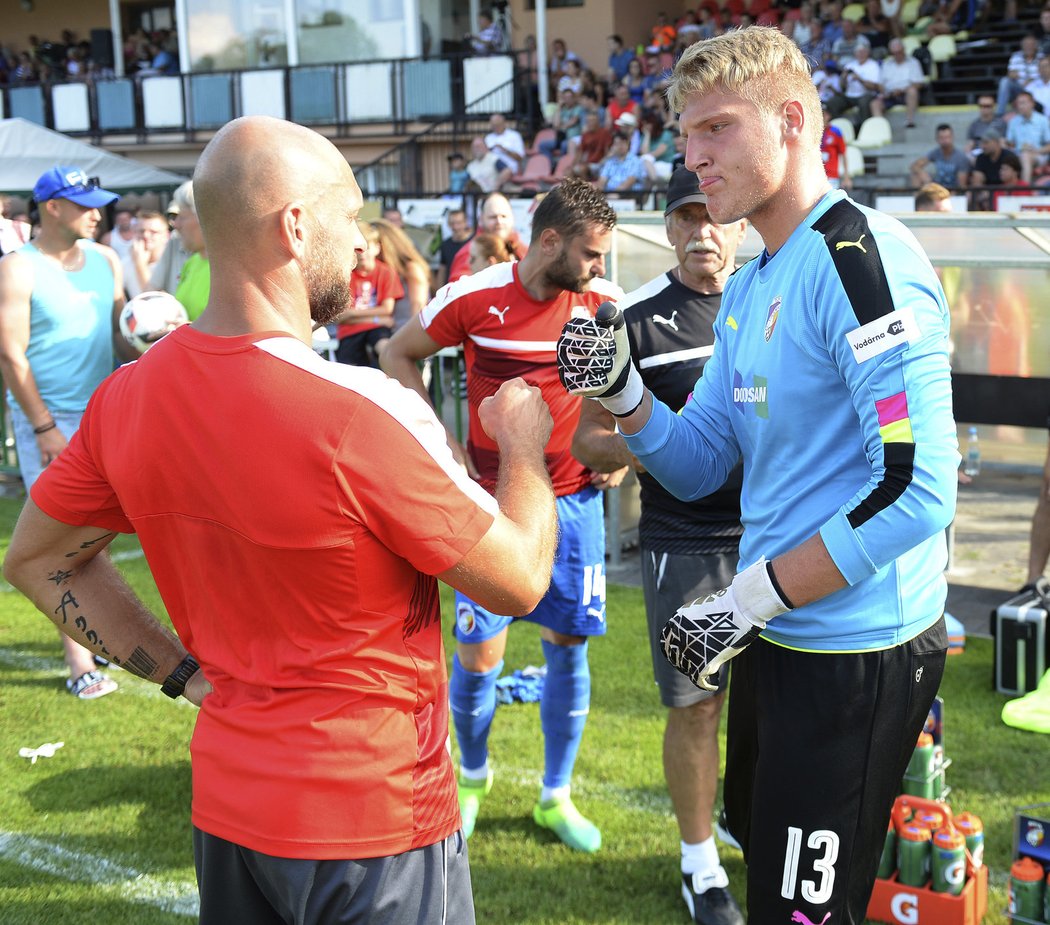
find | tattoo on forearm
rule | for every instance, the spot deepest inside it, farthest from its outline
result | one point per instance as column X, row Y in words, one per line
column 87, row 544
column 60, row 576
column 140, row 662
column 67, row 601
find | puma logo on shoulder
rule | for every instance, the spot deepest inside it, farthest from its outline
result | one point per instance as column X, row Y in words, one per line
column 670, row 322
column 841, row 245
column 499, row 313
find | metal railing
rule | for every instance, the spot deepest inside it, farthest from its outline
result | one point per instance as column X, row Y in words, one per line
column 363, row 97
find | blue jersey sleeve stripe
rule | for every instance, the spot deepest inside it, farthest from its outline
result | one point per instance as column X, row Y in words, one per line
column 857, row 261
column 899, row 459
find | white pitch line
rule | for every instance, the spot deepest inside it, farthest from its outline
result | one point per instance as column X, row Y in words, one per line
column 126, row 883
column 55, row 667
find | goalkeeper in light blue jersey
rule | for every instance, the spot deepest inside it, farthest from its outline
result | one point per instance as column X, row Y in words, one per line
column 830, row 379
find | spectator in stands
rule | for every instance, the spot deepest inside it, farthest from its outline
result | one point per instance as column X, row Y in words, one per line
column 398, row 252
column 1021, row 70
column 1042, row 31
column 628, row 126
column 571, row 78
column 901, row 78
column 621, row 171
column 801, row 29
column 877, row 27
column 944, row 164
column 1013, row 183
column 460, row 233
column 657, row 149
column 567, row 123
column 986, row 119
column 621, row 103
column 26, row 70
column 862, row 76
column 844, row 48
column 151, row 237
column 833, row 153
column 394, row 216
column 458, row 177
column 987, row 167
column 364, row 325
column 662, row 35
column 636, row 82
column 656, row 75
column 1040, row 87
column 1028, row 135
column 487, row 250
column 932, row 197
column 706, row 22
column 592, row 146
column 829, row 82
column 482, row 168
column 559, row 55
column 619, row 59
column 496, row 217
column 508, row 146
column 831, row 18
column 489, row 40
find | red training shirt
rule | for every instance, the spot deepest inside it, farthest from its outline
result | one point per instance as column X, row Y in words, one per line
column 506, row 333
column 370, row 288
column 292, row 512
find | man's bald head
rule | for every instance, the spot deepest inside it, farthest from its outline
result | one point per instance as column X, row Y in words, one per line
column 254, row 167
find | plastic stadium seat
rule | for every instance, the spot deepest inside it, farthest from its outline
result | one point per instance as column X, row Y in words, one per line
column 910, row 43
column 910, row 11
column 845, row 126
column 942, row 49
column 543, row 134
column 563, row 168
column 537, row 168
column 854, row 161
column 853, row 11
column 874, row 132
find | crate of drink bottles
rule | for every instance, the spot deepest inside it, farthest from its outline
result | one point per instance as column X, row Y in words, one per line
column 932, row 870
column 1028, row 889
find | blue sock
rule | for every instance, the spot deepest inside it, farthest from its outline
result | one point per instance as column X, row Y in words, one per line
column 472, row 698
column 563, row 709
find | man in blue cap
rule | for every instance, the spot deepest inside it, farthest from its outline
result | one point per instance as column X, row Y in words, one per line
column 60, row 297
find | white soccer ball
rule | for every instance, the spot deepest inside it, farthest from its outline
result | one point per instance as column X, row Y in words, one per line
column 148, row 317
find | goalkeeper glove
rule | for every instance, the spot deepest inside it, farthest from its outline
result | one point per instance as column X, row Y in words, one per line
column 704, row 635
column 594, row 361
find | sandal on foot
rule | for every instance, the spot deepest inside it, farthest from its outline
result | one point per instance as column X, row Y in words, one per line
column 91, row 685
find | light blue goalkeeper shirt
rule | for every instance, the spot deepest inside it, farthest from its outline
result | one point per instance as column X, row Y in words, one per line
column 830, row 377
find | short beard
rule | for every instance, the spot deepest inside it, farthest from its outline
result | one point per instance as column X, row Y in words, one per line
column 327, row 290
column 558, row 274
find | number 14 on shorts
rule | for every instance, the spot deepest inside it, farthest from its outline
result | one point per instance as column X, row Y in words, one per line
column 593, row 596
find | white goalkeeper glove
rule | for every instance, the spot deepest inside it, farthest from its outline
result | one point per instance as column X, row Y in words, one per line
column 594, row 361
column 702, row 636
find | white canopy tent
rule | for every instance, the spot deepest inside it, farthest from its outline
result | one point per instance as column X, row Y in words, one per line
column 28, row 149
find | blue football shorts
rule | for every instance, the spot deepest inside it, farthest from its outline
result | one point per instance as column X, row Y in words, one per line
column 575, row 602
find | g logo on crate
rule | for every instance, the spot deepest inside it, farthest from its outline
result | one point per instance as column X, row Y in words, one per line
column 905, row 908
column 1035, row 835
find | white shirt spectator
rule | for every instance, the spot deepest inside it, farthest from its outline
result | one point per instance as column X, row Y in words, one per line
column 1026, row 69
column 508, row 146
column 868, row 71
column 896, row 78
column 1040, row 90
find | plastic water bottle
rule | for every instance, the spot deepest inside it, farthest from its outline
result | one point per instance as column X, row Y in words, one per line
column 973, row 454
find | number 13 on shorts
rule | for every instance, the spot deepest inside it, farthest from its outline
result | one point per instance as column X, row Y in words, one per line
column 817, row 890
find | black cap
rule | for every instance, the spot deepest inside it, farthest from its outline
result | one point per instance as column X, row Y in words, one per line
column 683, row 189
column 455, row 155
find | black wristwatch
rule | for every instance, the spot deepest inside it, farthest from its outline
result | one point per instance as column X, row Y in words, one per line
column 175, row 683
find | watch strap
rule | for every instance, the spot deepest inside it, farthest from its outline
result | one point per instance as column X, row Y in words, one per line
column 175, row 683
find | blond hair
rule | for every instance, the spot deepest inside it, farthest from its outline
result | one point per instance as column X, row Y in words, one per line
column 397, row 250
column 759, row 64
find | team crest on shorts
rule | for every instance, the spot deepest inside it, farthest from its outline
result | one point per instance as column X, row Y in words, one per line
column 465, row 618
column 771, row 317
